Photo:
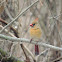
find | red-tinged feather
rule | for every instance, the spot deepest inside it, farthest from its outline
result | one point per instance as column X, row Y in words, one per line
column 36, row 19
column 36, row 50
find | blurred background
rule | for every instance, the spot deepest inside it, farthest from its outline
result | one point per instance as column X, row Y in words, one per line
column 49, row 13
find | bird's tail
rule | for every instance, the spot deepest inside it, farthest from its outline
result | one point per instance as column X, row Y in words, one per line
column 36, row 50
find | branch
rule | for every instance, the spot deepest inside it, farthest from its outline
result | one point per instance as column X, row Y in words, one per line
column 55, row 17
column 8, row 13
column 28, row 41
column 7, row 31
column 5, row 23
column 42, row 53
column 18, row 16
column 29, row 52
column 58, row 59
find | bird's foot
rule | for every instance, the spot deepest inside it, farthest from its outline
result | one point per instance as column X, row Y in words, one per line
column 31, row 40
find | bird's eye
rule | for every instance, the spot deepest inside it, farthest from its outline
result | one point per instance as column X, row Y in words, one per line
column 33, row 24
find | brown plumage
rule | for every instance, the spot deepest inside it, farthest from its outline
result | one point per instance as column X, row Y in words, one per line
column 35, row 33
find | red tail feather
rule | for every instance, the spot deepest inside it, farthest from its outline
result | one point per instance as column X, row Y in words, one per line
column 36, row 50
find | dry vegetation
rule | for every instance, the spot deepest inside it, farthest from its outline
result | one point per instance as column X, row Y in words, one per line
column 15, row 17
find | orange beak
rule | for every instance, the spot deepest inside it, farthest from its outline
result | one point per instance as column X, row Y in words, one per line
column 31, row 25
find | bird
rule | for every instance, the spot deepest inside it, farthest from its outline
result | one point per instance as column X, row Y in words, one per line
column 35, row 34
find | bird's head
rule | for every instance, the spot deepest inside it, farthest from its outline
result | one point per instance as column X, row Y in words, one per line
column 34, row 23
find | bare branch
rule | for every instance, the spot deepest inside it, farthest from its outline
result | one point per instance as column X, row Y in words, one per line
column 18, row 16
column 7, row 31
column 29, row 52
column 8, row 13
column 28, row 41
column 56, row 17
column 58, row 59
column 42, row 53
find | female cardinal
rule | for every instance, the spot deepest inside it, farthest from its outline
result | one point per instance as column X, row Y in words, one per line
column 35, row 33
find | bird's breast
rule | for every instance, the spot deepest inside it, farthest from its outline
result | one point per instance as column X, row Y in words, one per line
column 35, row 33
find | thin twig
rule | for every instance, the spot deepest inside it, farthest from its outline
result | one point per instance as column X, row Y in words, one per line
column 5, row 23
column 28, row 41
column 58, row 59
column 55, row 17
column 8, row 13
column 7, row 31
column 18, row 16
column 42, row 53
column 29, row 52
column 27, row 58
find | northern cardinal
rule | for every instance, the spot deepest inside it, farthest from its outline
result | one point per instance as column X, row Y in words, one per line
column 35, row 33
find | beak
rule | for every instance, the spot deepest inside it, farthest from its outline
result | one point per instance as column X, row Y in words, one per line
column 31, row 25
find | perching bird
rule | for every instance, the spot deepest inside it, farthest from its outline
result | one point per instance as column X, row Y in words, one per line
column 35, row 33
